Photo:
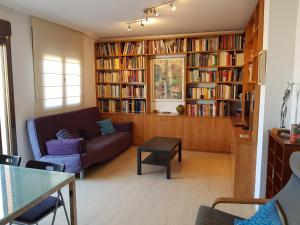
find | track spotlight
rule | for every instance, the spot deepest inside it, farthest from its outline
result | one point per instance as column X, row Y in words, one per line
column 142, row 24
column 129, row 27
column 173, row 6
column 155, row 12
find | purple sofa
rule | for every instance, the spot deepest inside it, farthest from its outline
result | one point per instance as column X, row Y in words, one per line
column 78, row 154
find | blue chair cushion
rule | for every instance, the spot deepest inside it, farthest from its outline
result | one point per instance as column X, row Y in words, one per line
column 37, row 212
column 266, row 215
column 106, row 127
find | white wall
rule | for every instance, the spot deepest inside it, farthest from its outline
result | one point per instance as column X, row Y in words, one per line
column 280, row 38
column 23, row 79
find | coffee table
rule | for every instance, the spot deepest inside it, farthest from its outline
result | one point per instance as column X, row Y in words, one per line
column 162, row 149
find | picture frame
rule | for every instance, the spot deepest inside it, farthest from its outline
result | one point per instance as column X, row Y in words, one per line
column 168, row 78
column 262, row 64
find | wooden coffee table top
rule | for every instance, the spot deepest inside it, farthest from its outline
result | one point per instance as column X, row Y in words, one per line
column 160, row 144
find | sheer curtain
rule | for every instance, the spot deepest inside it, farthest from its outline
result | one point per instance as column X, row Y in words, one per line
column 58, row 66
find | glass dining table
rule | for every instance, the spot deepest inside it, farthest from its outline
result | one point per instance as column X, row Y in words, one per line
column 22, row 188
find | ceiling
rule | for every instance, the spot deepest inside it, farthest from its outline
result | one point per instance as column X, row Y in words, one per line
column 107, row 18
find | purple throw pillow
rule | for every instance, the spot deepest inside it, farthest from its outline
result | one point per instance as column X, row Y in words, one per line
column 90, row 132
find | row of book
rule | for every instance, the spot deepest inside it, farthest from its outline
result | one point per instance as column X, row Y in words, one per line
column 167, row 46
column 205, row 60
column 229, row 91
column 108, row 90
column 201, row 76
column 108, row 49
column 201, row 109
column 231, row 59
column 235, row 42
column 134, row 48
column 196, row 45
column 108, row 77
column 201, row 93
column 133, row 91
column 105, row 63
column 133, row 76
column 230, row 75
column 134, row 106
column 134, row 62
column 111, row 106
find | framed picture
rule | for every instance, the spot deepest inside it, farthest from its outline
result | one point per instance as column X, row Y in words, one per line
column 168, row 79
column 262, row 60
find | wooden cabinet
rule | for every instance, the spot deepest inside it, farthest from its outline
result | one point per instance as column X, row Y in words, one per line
column 206, row 134
column 165, row 126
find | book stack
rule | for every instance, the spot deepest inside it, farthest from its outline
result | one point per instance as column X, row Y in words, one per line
column 203, row 45
column 201, row 76
column 109, row 49
column 231, row 59
column 133, row 76
column 133, row 92
column 203, row 60
column 229, row 91
column 201, row 93
column 110, row 106
column 134, row 48
column 202, row 109
column 109, row 91
column 134, row 62
column 108, row 77
column 166, row 46
column 105, row 63
column 232, row 42
column 230, row 75
column 239, row 59
column 134, row 106
column 223, row 108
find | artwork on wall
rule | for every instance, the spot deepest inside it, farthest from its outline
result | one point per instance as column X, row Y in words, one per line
column 168, row 75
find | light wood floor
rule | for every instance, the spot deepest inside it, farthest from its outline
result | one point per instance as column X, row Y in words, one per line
column 112, row 194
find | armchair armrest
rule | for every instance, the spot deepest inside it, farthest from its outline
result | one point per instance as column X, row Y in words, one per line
column 65, row 147
column 124, row 127
column 245, row 201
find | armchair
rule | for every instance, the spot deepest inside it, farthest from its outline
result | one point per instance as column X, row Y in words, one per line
column 288, row 200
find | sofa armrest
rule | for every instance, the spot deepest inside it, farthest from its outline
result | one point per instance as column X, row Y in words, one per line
column 245, row 201
column 65, row 147
column 124, row 127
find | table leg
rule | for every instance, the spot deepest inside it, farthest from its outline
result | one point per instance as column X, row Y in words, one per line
column 73, row 207
column 179, row 152
column 139, row 163
column 169, row 170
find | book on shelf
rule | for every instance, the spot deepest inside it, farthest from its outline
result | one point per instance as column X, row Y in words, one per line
column 134, row 62
column 134, row 106
column 203, row 60
column 108, row 77
column 201, row 76
column 106, row 63
column 110, row 106
column 133, row 91
column 108, row 49
column 133, row 76
column 108, row 90
column 167, row 46
column 134, row 48
column 207, row 44
column 231, row 59
column 229, row 91
column 201, row 93
column 232, row 75
column 202, row 109
column 232, row 42
column 223, row 108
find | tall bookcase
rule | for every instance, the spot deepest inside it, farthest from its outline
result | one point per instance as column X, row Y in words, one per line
column 213, row 79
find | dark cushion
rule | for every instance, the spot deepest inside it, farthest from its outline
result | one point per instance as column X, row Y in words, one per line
column 63, row 134
column 106, row 127
column 39, row 211
column 64, row 147
column 210, row 216
column 90, row 131
column 76, row 134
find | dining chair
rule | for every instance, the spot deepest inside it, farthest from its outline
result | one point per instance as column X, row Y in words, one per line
column 12, row 160
column 47, row 206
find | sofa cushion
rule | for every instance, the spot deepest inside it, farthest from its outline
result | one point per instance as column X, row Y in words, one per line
column 91, row 131
column 63, row 134
column 106, row 126
column 210, row 216
column 64, row 147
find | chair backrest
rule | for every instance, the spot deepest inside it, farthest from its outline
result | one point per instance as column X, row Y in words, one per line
column 45, row 166
column 289, row 197
column 11, row 160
